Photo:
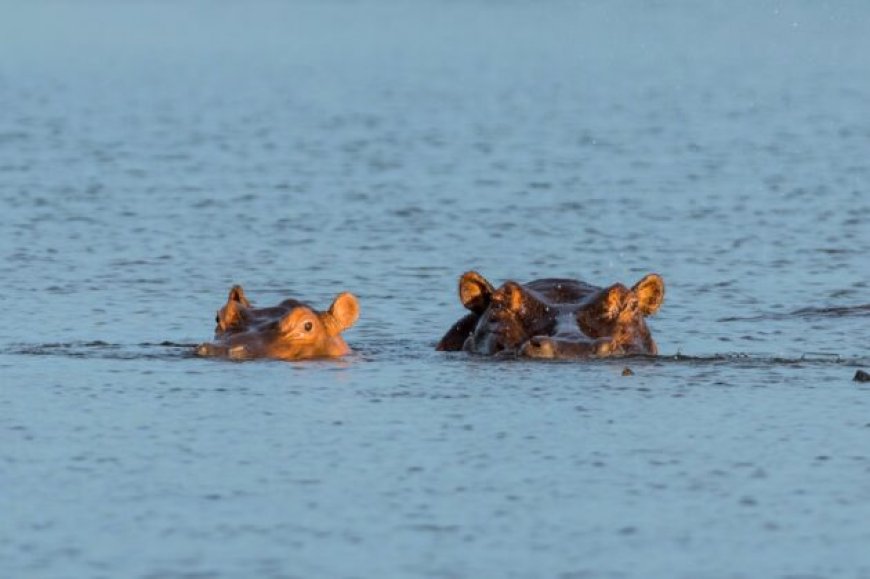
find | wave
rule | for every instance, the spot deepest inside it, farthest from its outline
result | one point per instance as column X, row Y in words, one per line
column 105, row 350
column 170, row 350
column 807, row 313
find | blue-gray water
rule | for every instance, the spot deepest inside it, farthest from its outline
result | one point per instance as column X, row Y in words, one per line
column 153, row 153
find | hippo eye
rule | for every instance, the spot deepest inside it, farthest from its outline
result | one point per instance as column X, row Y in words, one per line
column 308, row 326
column 217, row 319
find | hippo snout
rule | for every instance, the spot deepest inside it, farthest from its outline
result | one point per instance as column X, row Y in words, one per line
column 207, row 350
column 545, row 347
column 539, row 347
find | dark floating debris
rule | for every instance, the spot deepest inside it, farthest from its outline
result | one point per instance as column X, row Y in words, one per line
column 861, row 376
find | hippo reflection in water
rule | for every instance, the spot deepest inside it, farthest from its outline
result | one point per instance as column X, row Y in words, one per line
column 289, row 331
column 555, row 318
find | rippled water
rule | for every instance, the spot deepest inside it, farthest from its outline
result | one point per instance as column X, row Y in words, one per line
column 152, row 154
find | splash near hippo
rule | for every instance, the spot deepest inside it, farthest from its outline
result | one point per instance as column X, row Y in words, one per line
column 292, row 330
column 555, row 318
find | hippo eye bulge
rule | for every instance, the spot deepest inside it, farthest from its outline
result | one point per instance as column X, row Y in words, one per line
column 308, row 326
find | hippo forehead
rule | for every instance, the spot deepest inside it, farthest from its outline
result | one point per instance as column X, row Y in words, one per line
column 554, row 307
column 268, row 317
column 551, row 299
column 562, row 291
column 253, row 319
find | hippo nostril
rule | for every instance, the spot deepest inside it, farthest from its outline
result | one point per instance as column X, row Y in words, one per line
column 238, row 352
column 605, row 348
column 539, row 347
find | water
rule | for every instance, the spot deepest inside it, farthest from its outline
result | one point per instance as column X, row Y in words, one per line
column 152, row 154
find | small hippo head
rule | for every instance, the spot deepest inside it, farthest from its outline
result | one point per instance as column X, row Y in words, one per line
column 291, row 330
column 555, row 318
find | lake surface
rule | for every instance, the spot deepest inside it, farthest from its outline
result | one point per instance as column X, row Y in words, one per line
column 154, row 153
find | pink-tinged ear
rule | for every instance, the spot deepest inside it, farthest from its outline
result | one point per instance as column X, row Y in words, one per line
column 650, row 292
column 237, row 294
column 342, row 314
column 475, row 292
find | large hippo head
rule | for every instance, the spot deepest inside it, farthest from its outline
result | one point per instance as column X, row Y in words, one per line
column 555, row 318
column 291, row 330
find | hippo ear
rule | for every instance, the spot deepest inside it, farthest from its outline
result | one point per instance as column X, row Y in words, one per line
column 237, row 294
column 475, row 292
column 650, row 292
column 342, row 314
column 229, row 315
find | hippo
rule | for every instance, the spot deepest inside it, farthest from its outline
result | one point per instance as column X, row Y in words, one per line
column 555, row 318
column 291, row 330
